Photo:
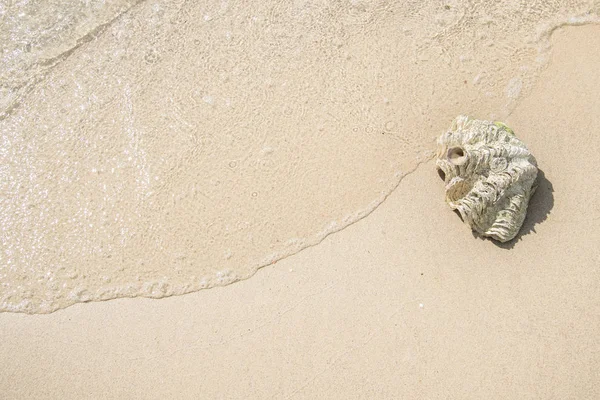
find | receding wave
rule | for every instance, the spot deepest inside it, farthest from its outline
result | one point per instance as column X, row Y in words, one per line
column 184, row 145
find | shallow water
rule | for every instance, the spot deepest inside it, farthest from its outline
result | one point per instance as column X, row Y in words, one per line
column 159, row 148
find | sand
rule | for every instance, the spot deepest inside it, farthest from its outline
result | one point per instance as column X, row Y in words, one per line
column 405, row 303
column 184, row 145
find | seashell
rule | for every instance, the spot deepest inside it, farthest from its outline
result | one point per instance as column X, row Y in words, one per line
column 490, row 175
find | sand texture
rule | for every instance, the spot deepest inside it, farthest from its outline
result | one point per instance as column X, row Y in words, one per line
column 405, row 303
column 178, row 146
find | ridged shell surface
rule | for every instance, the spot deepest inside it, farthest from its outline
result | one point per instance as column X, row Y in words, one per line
column 489, row 174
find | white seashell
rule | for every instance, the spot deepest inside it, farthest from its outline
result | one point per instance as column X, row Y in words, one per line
column 490, row 176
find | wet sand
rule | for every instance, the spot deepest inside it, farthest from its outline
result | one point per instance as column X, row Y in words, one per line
column 184, row 145
column 406, row 303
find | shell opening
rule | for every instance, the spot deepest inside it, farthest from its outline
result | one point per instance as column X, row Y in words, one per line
column 441, row 174
column 456, row 156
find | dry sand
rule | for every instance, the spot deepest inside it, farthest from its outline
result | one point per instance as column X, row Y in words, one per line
column 406, row 303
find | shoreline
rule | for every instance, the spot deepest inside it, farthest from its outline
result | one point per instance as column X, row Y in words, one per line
column 402, row 304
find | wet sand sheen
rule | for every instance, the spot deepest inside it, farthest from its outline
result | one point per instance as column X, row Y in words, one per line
column 376, row 310
column 188, row 145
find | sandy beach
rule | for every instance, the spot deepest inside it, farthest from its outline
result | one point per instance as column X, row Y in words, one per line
column 406, row 303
